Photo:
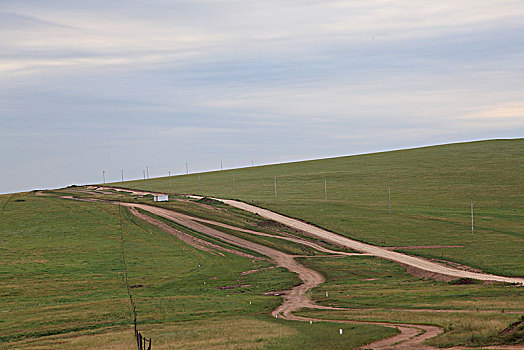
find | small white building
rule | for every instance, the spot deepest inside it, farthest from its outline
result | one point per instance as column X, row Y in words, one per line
column 161, row 197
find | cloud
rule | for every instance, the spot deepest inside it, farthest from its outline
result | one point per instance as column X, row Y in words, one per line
column 499, row 112
column 105, row 83
column 508, row 116
column 191, row 132
column 179, row 33
column 11, row 21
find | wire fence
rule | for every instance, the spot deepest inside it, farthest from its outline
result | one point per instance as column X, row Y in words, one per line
column 141, row 341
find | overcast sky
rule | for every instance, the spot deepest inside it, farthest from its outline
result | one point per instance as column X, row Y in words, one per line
column 92, row 85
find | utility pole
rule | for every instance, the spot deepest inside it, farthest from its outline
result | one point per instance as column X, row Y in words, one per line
column 251, row 163
column 122, row 171
column 169, row 178
column 147, row 168
column 471, row 204
column 104, row 176
column 144, row 178
column 325, row 190
column 389, row 198
column 234, row 186
column 221, row 165
column 275, row 187
column 187, row 171
column 199, row 182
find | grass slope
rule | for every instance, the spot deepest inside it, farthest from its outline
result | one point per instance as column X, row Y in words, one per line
column 431, row 190
column 61, row 286
column 380, row 290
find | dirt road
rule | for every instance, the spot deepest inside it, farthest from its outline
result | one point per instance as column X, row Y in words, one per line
column 285, row 238
column 410, row 336
column 384, row 253
column 294, row 299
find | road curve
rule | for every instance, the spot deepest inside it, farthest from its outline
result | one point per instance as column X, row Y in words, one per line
column 410, row 336
column 294, row 298
column 368, row 248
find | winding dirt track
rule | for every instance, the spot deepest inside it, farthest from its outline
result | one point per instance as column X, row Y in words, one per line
column 290, row 239
column 411, row 336
column 294, row 299
column 384, row 253
column 187, row 238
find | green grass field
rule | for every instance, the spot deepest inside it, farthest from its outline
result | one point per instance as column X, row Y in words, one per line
column 62, row 277
column 61, row 286
column 379, row 290
column 431, row 191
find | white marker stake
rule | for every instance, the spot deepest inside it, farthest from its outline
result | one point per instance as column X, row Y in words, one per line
column 471, row 217
column 327, row 294
column 340, row 330
column 389, row 198
column 310, row 322
column 325, row 190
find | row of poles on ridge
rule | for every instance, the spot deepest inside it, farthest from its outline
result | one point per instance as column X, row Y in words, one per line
column 146, row 172
column 146, row 176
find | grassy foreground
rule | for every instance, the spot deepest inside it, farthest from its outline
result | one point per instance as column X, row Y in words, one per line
column 61, row 286
column 378, row 290
column 431, row 191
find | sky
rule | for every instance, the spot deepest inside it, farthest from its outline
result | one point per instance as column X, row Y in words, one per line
column 97, row 85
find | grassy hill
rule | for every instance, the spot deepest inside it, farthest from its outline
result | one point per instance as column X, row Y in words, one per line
column 61, row 269
column 431, row 191
column 62, row 285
